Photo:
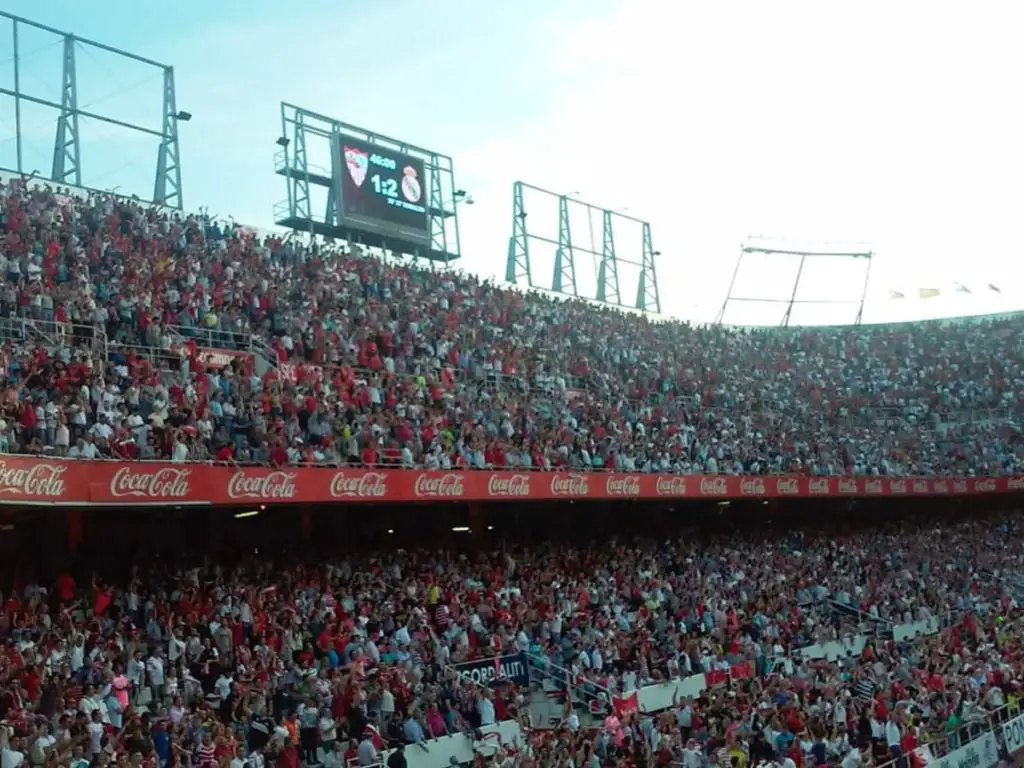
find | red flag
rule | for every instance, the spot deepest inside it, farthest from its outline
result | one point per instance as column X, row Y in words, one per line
column 375, row 737
column 741, row 671
column 103, row 598
column 715, row 677
column 626, row 705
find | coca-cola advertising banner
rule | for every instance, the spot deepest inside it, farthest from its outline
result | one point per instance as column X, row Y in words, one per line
column 26, row 479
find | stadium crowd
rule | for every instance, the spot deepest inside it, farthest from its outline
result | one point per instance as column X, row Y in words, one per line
column 243, row 664
column 376, row 362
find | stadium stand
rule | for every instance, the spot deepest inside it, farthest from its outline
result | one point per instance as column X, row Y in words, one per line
column 816, row 644
column 132, row 336
column 362, row 361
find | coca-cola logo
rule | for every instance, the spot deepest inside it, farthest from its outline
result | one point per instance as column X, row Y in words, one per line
column 873, row 486
column 370, row 485
column 1015, row 484
column 940, row 486
column 272, row 485
column 921, row 486
column 449, row 486
column 897, row 486
column 163, row 483
column 960, row 486
column 38, row 480
column 628, row 485
column 570, row 485
column 509, row 485
column 670, row 486
column 713, row 486
column 985, row 486
column 818, row 486
column 752, row 487
column 847, row 485
column 220, row 358
column 787, row 486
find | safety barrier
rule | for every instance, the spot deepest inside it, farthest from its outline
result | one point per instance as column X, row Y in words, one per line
column 979, row 743
column 660, row 696
column 462, row 748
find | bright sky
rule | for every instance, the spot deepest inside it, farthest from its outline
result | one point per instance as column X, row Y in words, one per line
column 892, row 124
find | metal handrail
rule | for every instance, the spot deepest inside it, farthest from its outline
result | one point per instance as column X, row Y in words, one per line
column 213, row 336
column 56, row 333
column 259, row 347
column 546, row 665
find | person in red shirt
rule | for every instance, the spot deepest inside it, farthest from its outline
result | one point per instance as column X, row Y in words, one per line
column 29, row 422
column 370, row 456
column 278, row 455
column 288, row 757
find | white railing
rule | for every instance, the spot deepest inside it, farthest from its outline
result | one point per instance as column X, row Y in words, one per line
column 462, row 748
column 56, row 334
column 661, row 696
column 262, row 351
column 977, row 743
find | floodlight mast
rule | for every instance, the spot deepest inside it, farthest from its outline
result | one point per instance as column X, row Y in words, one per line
column 749, row 248
column 67, row 153
column 607, row 260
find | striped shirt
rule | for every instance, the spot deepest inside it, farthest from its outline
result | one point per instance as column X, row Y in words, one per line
column 205, row 754
column 864, row 689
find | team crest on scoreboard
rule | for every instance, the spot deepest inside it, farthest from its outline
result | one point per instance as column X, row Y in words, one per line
column 358, row 162
column 411, row 185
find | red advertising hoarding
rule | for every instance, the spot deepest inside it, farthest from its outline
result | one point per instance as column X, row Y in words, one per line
column 27, row 480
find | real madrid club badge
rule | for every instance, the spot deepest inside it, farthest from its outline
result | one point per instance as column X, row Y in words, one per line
column 411, row 189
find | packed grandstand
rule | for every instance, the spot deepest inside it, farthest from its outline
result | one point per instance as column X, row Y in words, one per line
column 157, row 359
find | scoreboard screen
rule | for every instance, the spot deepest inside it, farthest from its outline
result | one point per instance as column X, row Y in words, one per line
column 382, row 189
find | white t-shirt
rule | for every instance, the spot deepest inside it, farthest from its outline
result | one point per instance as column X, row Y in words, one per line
column 155, row 670
column 77, row 657
column 175, row 648
column 486, row 709
column 10, row 758
column 328, row 732
column 39, row 747
column 223, row 686
column 89, row 703
column 892, row 734
column 96, row 738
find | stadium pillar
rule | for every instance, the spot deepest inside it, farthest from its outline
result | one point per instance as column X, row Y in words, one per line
column 476, row 519
column 74, row 523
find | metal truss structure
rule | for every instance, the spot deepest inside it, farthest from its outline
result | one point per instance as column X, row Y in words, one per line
column 751, row 248
column 67, row 151
column 563, row 279
column 301, row 129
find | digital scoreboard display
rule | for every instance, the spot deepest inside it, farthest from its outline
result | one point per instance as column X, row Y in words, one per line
column 382, row 189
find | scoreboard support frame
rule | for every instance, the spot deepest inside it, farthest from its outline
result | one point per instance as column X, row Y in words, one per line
column 563, row 279
column 299, row 126
column 750, row 248
column 66, row 165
